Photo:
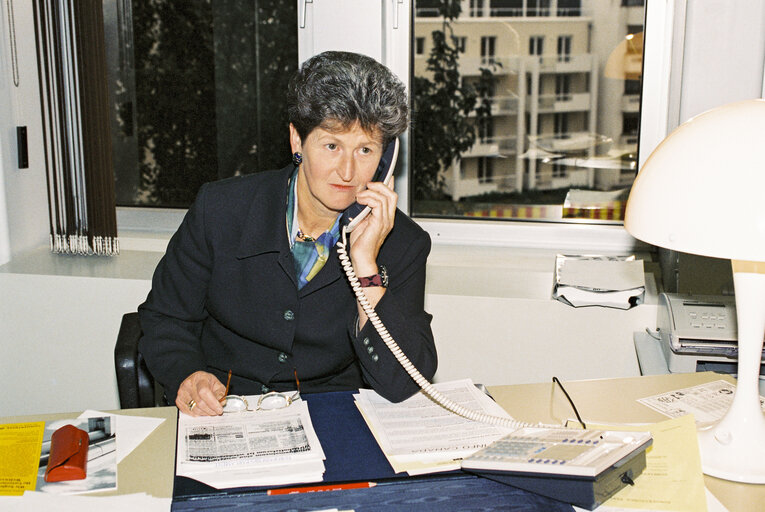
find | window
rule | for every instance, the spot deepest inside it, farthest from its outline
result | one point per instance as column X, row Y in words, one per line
column 485, row 170
column 194, row 89
column 564, row 48
column 538, row 131
column 476, row 8
column 512, row 103
column 488, row 49
column 562, row 87
column 561, row 125
column 419, row 46
column 461, row 43
column 536, row 45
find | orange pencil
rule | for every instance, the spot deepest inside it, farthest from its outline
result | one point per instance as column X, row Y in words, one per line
column 322, row 488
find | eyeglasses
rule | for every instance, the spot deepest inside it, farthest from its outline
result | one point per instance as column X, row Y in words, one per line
column 267, row 402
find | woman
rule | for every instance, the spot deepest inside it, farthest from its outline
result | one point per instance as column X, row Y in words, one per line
column 251, row 282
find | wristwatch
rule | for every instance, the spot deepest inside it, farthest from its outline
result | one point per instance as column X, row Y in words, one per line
column 380, row 279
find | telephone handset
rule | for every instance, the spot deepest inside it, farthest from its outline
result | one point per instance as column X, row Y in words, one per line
column 356, row 212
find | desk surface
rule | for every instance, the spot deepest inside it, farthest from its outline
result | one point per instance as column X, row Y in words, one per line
column 615, row 401
column 150, row 467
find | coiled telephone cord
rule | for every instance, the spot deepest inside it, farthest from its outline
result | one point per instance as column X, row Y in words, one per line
column 404, row 361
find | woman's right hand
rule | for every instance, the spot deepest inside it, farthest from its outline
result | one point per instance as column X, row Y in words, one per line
column 204, row 391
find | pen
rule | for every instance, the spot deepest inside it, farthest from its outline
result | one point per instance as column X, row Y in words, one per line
column 321, row 488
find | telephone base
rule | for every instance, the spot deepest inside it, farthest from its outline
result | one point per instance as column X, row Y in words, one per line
column 585, row 492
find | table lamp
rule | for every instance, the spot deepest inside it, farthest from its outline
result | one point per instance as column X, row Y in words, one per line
column 702, row 191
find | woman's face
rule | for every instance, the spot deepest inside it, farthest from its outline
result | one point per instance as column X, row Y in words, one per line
column 336, row 166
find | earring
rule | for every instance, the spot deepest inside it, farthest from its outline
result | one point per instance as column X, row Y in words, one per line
column 297, row 158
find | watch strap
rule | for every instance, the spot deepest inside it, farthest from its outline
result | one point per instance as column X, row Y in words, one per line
column 379, row 279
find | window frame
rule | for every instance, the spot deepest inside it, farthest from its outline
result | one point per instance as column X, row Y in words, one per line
column 663, row 19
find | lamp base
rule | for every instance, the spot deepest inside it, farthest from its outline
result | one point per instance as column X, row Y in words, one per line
column 734, row 448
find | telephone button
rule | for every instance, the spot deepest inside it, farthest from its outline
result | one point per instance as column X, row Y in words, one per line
column 283, row 357
column 289, row 315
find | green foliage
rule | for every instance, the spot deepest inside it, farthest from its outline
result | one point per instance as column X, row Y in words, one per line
column 209, row 82
column 442, row 103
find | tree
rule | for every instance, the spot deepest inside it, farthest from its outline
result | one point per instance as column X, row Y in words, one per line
column 210, row 77
column 442, row 103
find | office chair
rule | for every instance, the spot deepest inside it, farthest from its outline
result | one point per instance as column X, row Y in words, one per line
column 135, row 383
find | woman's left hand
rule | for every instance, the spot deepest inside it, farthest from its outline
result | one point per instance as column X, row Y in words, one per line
column 370, row 234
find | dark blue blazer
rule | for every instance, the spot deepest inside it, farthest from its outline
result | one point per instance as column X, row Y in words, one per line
column 225, row 296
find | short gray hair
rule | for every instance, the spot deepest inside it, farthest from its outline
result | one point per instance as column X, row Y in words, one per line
column 345, row 88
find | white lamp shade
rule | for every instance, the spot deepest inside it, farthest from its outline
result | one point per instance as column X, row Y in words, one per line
column 702, row 190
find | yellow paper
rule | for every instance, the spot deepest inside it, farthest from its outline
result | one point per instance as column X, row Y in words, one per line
column 20, row 447
column 672, row 479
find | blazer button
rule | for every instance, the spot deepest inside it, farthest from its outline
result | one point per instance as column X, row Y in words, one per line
column 282, row 357
column 289, row 315
column 264, row 389
column 375, row 357
column 365, row 341
column 370, row 349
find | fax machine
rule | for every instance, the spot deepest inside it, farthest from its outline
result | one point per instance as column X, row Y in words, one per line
column 698, row 332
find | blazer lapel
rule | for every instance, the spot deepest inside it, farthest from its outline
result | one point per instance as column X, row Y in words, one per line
column 265, row 227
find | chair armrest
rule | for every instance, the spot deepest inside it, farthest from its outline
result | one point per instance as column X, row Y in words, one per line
column 134, row 382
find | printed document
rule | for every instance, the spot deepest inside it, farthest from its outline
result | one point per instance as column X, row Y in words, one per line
column 250, row 448
column 419, row 436
column 707, row 402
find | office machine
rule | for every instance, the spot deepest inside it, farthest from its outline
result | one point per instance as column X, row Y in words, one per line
column 698, row 332
column 582, row 467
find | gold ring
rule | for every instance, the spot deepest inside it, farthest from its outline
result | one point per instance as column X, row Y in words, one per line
column 191, row 404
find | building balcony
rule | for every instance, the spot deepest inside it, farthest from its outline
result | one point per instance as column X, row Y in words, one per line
column 572, row 102
column 631, row 103
column 508, row 12
column 492, row 146
column 470, row 187
column 501, row 106
column 567, row 63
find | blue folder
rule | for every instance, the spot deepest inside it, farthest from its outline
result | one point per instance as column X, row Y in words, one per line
column 353, row 455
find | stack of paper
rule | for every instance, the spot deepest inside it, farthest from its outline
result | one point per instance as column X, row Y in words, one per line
column 611, row 281
column 250, row 448
column 419, row 436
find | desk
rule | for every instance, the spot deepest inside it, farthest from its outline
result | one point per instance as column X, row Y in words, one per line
column 150, row 467
column 614, row 401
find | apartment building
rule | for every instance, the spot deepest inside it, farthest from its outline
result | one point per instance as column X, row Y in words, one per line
column 557, row 120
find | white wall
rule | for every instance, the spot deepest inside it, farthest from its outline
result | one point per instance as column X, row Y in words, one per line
column 493, row 321
column 23, row 196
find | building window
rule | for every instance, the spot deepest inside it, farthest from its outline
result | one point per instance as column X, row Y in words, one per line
column 562, row 87
column 564, row 48
column 560, row 121
column 419, row 45
column 488, row 49
column 630, row 122
column 485, row 170
column 538, row 8
column 536, row 45
column 460, row 43
column 476, row 8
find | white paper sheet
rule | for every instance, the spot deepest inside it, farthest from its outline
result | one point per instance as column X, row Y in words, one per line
column 418, row 430
column 251, row 448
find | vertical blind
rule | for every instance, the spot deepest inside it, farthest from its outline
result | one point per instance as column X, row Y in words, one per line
column 74, row 101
